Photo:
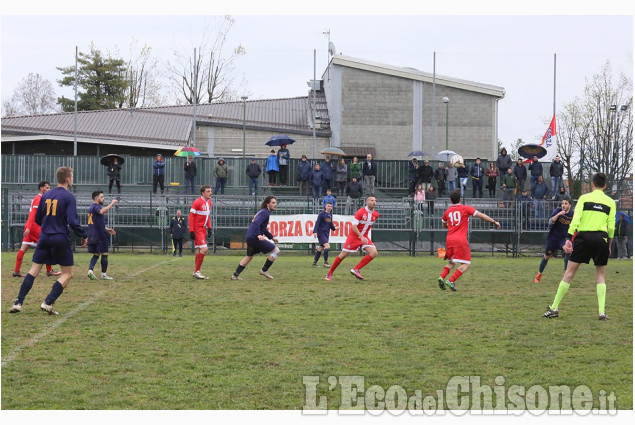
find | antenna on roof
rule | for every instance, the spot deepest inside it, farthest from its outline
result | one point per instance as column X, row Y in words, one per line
column 331, row 48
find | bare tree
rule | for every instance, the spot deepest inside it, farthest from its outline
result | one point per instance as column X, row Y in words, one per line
column 34, row 95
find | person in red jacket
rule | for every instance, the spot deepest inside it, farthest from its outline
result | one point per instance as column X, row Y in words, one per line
column 200, row 227
column 32, row 233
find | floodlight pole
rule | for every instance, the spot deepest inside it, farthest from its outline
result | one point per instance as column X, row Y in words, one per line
column 447, row 119
column 244, row 98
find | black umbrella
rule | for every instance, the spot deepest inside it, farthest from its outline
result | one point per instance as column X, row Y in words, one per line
column 531, row 150
column 279, row 140
column 107, row 160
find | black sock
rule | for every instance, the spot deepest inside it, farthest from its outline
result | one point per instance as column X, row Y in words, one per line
column 56, row 291
column 93, row 261
column 27, row 284
column 317, row 256
column 268, row 264
column 239, row 270
column 326, row 255
column 104, row 263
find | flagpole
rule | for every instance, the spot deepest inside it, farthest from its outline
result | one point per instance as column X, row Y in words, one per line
column 554, row 84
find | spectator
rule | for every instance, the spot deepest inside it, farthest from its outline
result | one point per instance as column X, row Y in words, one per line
column 303, row 172
column 561, row 193
column 503, row 162
column 158, row 177
column 491, row 173
column 283, row 164
column 114, row 174
column 220, row 172
column 327, row 170
column 190, row 173
column 272, row 167
column 539, row 192
column 441, row 175
column 329, row 199
column 431, row 195
column 355, row 170
column 478, row 174
column 353, row 192
column 509, row 185
column 621, row 236
column 520, row 172
column 463, row 174
column 419, row 197
column 341, row 175
column 451, row 179
column 535, row 170
column 412, row 176
column 556, row 170
column 178, row 227
column 253, row 172
column 317, row 181
column 524, row 201
column 369, row 170
column 425, row 175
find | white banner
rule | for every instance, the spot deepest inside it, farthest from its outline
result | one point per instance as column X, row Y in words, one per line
column 299, row 228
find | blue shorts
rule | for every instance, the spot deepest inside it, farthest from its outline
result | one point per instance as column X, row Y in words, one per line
column 255, row 245
column 322, row 240
column 99, row 247
column 54, row 249
column 553, row 245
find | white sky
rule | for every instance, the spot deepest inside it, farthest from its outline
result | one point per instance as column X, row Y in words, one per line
column 499, row 47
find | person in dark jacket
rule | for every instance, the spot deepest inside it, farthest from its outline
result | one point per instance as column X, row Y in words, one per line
column 283, row 164
column 114, row 174
column 303, row 172
column 503, row 162
column 253, row 172
column 341, row 176
column 190, row 173
column 535, row 170
column 491, row 173
column 317, row 181
column 327, row 171
column 220, row 172
column 412, row 176
column 521, row 175
column 524, row 202
column 353, row 192
column 539, row 192
column 556, row 170
column 441, row 175
column 621, row 236
column 158, row 177
column 425, row 174
column 369, row 171
column 478, row 175
column 178, row 228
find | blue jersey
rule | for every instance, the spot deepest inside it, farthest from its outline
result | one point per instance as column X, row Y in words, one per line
column 323, row 226
column 327, row 199
column 96, row 224
column 560, row 227
column 259, row 224
column 57, row 211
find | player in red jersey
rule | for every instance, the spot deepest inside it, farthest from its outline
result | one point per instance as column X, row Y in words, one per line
column 455, row 219
column 358, row 238
column 201, row 227
column 32, row 233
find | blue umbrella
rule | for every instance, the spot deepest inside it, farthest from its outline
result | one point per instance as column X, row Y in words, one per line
column 417, row 153
column 279, row 140
column 626, row 218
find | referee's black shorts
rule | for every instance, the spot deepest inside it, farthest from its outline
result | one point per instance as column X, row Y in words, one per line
column 591, row 245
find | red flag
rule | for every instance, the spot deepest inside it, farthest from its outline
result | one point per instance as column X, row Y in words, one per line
column 551, row 131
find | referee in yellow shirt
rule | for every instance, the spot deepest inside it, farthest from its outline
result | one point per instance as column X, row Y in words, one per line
column 594, row 221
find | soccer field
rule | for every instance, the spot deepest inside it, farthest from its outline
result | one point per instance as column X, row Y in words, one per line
column 155, row 338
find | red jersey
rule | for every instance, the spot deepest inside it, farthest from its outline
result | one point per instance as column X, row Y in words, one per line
column 199, row 214
column 364, row 220
column 30, row 222
column 457, row 216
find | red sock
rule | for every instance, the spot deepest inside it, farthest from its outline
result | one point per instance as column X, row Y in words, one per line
column 336, row 263
column 445, row 272
column 198, row 262
column 18, row 260
column 367, row 259
column 457, row 274
column 48, row 268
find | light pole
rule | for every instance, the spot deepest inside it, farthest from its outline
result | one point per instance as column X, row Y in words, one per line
column 447, row 115
column 244, row 98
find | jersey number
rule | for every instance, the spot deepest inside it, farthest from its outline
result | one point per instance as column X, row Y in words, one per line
column 51, row 206
column 455, row 218
column 90, row 219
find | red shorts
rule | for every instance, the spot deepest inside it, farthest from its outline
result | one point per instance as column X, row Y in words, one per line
column 32, row 237
column 200, row 237
column 458, row 253
column 353, row 243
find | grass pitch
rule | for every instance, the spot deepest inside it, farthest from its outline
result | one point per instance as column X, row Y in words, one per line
column 155, row 338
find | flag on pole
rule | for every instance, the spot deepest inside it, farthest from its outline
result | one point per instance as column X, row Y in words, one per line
column 549, row 141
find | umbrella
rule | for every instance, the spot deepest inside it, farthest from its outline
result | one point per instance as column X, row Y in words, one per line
column 107, row 160
column 530, row 150
column 626, row 218
column 417, row 153
column 187, row 151
column 445, row 155
column 279, row 140
column 333, row 151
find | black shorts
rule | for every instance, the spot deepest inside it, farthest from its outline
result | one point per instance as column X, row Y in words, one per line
column 591, row 245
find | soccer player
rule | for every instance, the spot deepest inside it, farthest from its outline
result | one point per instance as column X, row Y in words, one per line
column 98, row 234
column 322, row 231
column 200, row 226
column 257, row 235
column 32, row 233
column 594, row 222
column 57, row 211
column 457, row 249
column 364, row 219
column 558, row 226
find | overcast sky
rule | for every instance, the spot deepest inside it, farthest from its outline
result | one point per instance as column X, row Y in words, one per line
column 515, row 52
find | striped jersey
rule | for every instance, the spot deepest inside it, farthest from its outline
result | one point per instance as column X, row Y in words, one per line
column 364, row 220
column 594, row 212
column 200, row 214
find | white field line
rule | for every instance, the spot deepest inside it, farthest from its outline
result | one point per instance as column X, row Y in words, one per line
column 35, row 339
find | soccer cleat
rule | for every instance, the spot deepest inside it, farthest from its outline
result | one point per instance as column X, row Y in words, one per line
column 441, row 283
column 537, row 278
column 16, row 308
column 328, row 277
column 549, row 314
column 603, row 317
column 450, row 285
column 91, row 275
column 314, row 264
column 54, row 273
column 356, row 273
column 326, row 264
column 198, row 275
column 18, row 274
column 105, row 277
column 48, row 308
column 265, row 274
column 234, row 277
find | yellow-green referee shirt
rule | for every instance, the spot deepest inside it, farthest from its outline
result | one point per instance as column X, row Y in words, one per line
column 594, row 212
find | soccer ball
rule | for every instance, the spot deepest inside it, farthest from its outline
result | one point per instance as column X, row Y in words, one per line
column 456, row 161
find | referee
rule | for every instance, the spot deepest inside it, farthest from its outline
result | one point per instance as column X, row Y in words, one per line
column 594, row 220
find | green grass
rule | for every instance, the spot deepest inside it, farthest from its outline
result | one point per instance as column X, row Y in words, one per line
column 155, row 338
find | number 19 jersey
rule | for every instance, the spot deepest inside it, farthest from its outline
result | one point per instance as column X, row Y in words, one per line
column 457, row 216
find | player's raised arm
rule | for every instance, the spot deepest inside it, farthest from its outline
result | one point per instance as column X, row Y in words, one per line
column 485, row 217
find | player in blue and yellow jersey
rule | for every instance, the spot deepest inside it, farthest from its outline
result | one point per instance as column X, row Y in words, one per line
column 322, row 231
column 56, row 213
column 590, row 236
column 98, row 234
column 556, row 238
